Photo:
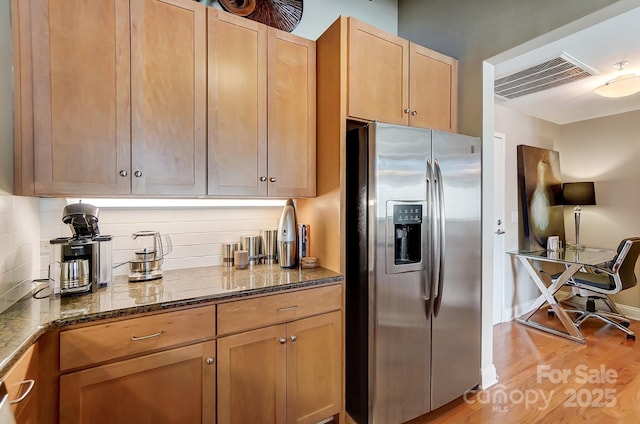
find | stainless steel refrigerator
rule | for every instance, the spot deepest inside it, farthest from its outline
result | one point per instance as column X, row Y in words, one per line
column 412, row 270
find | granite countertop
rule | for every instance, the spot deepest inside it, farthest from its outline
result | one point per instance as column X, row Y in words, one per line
column 24, row 322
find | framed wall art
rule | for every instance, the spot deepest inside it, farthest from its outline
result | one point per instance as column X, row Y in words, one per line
column 540, row 193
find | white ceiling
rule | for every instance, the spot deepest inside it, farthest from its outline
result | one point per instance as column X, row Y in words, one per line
column 600, row 47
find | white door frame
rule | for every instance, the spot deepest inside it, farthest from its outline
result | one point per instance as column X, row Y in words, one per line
column 499, row 238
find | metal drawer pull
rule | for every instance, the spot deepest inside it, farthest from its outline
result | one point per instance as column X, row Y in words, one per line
column 290, row 308
column 293, row 338
column 31, row 383
column 282, row 340
column 150, row 336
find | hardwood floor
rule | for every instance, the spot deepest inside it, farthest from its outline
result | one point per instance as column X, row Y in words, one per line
column 547, row 379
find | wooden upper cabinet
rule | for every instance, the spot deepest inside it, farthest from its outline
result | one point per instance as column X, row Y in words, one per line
column 393, row 80
column 378, row 74
column 433, row 89
column 119, row 97
column 292, row 115
column 168, row 102
column 261, row 109
column 81, row 90
column 237, row 105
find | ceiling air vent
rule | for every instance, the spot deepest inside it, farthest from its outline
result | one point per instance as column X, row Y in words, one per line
column 552, row 73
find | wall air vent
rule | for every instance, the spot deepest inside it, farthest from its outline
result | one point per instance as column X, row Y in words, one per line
column 552, row 73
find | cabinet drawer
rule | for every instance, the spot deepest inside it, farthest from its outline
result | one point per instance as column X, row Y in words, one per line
column 262, row 311
column 102, row 342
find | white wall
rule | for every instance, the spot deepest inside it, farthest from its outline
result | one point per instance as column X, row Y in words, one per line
column 519, row 290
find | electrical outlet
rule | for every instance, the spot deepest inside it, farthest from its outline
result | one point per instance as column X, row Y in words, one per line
column 514, row 216
column 44, row 247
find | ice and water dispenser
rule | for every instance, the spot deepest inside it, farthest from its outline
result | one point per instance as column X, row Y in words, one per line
column 404, row 237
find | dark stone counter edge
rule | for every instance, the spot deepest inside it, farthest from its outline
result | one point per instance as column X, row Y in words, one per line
column 38, row 331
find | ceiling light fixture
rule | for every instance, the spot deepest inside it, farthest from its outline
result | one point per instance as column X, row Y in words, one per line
column 621, row 86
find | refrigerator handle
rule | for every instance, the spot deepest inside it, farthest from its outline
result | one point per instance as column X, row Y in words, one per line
column 439, row 184
column 430, row 283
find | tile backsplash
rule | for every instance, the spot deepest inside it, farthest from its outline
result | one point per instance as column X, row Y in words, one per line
column 196, row 233
column 28, row 223
column 19, row 247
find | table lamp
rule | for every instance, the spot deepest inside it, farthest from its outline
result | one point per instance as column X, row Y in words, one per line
column 578, row 194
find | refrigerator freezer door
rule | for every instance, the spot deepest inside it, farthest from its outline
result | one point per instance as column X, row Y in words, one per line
column 401, row 334
column 456, row 329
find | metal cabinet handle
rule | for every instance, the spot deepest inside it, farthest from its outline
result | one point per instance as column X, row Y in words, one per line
column 293, row 338
column 31, row 383
column 123, row 173
column 500, row 232
column 263, row 179
column 210, row 361
column 150, row 336
column 414, row 113
column 272, row 179
column 283, row 340
column 407, row 110
column 290, row 308
column 138, row 174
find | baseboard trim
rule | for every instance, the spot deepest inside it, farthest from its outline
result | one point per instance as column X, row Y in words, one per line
column 630, row 312
column 488, row 377
column 520, row 309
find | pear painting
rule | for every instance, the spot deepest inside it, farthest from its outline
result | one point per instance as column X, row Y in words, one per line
column 539, row 188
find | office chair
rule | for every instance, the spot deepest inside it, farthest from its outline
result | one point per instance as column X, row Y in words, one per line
column 599, row 282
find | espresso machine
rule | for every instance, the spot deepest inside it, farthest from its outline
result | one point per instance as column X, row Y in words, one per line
column 80, row 264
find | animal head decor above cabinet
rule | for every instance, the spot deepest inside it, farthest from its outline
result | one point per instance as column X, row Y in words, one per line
column 280, row 14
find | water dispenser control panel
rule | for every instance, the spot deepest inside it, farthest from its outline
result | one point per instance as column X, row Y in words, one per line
column 404, row 236
column 407, row 214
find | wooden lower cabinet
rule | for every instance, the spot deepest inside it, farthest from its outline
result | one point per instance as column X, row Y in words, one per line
column 313, row 368
column 287, row 373
column 22, row 382
column 173, row 386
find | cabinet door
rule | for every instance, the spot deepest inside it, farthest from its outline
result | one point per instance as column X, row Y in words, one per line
column 292, row 115
column 237, row 105
column 252, row 377
column 314, row 368
column 174, row 386
column 433, row 89
column 22, row 382
column 81, row 92
column 168, row 102
column 378, row 66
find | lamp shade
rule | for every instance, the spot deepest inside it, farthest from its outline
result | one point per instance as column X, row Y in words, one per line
column 579, row 194
column 622, row 86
